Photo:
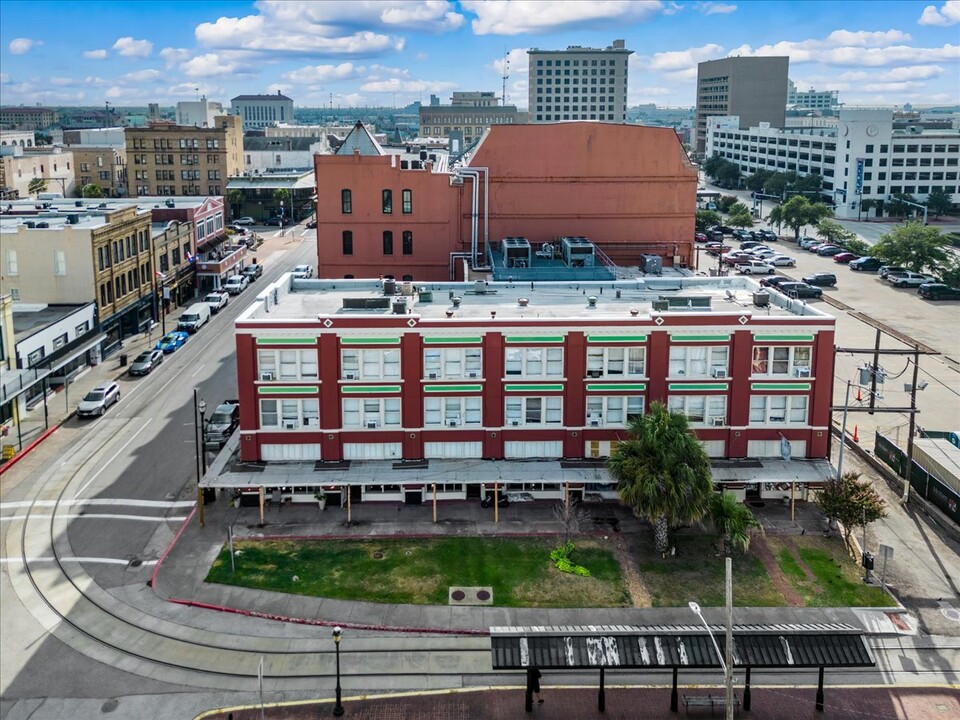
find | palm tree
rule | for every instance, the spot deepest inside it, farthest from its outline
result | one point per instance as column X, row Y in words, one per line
column 776, row 216
column 37, row 185
column 234, row 198
column 662, row 472
column 733, row 521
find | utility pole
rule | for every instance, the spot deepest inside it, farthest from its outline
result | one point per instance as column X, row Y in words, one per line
column 913, row 428
column 728, row 674
column 873, row 379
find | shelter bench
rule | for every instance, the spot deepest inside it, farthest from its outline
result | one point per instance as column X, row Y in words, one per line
column 714, row 702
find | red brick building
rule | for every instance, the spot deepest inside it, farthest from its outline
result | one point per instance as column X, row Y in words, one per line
column 377, row 384
column 403, row 212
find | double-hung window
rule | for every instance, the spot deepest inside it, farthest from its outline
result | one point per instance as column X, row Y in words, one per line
column 613, row 410
column 371, row 413
column 709, row 410
column 698, row 361
column 534, row 411
column 289, row 413
column 369, row 364
column 781, row 360
column 616, row 361
column 387, row 196
column 346, row 202
column 778, row 409
column 287, row 364
column 452, row 411
column 534, row 362
column 453, row 363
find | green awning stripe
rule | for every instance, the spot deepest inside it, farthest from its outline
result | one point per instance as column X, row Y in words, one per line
column 534, row 339
column 626, row 387
column 533, row 388
column 699, row 338
column 452, row 340
column 616, row 338
column 287, row 389
column 452, row 388
column 780, row 386
column 682, row 387
column 286, row 341
column 366, row 389
column 783, row 338
column 370, row 341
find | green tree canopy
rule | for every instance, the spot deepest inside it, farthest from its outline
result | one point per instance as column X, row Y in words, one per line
column 776, row 184
column 662, row 472
column 834, row 232
column 808, row 183
column 757, row 181
column 939, row 201
column 37, row 186
column 707, row 218
column 733, row 522
column 914, row 246
column 798, row 212
column 899, row 204
column 726, row 202
column 851, row 502
column 91, row 191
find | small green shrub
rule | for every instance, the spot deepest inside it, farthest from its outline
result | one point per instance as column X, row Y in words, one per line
column 561, row 560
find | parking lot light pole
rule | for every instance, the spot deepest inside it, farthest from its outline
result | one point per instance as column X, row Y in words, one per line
column 337, row 636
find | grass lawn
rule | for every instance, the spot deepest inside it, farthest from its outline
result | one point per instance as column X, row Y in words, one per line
column 836, row 582
column 420, row 571
column 697, row 573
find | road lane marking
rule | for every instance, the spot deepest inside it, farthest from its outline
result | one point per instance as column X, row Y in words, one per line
column 94, row 516
column 114, row 457
column 99, row 501
column 102, row 561
column 199, row 368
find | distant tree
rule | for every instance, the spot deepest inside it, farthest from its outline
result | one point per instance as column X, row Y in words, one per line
column 37, row 186
column 798, row 212
column 808, row 183
column 916, row 247
column 662, row 472
column 950, row 273
column 757, row 181
column 712, row 164
column 706, row 219
column 733, row 522
column 726, row 202
column 867, row 205
column 834, row 232
column 234, row 198
column 282, row 196
column 729, row 174
column 776, row 184
column 91, row 191
column 740, row 219
column 850, row 502
column 775, row 217
column 899, row 204
column 939, row 201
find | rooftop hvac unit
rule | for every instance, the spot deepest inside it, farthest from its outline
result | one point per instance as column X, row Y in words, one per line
column 651, row 264
column 432, row 376
column 400, row 307
column 349, row 376
column 761, row 299
column 73, row 219
column 289, row 424
column 661, row 305
column 404, row 164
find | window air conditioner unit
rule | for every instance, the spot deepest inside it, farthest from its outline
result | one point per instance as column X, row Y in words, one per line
column 473, row 375
column 594, row 422
column 801, row 372
column 717, row 421
column 268, row 375
column 372, row 424
column 453, row 423
column 514, row 422
column 312, row 422
column 433, row 375
column 349, row 376
column 289, row 424
column 718, row 372
column 594, row 373
column 777, row 418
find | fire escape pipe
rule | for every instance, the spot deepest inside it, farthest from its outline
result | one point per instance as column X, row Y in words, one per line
column 474, row 175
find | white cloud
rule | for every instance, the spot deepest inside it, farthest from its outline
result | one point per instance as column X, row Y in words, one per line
column 424, row 15
column 21, row 46
column 395, row 85
column 61, row 81
column 817, row 51
column 715, row 8
column 315, row 74
column 141, row 76
column 948, row 14
column 519, row 63
column 95, row 54
column 841, row 38
column 174, row 56
column 684, row 59
column 128, row 47
column 208, row 65
column 532, row 16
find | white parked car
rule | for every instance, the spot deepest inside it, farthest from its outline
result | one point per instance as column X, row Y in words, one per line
column 782, row 261
column 755, row 267
column 236, row 284
column 302, row 272
column 911, row 279
column 217, row 301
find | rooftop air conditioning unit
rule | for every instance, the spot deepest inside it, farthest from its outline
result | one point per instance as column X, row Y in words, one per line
column 801, row 372
column 372, row 424
column 717, row 421
column 268, row 375
column 718, row 372
column 349, row 376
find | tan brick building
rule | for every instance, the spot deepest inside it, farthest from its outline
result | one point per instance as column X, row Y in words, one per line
column 105, row 167
column 179, row 160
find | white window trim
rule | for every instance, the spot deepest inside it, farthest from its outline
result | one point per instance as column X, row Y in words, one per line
column 526, row 359
column 467, row 413
column 792, row 363
column 367, row 416
column 305, row 358
column 791, row 402
column 605, row 415
column 305, row 417
column 712, row 416
column 551, row 403
column 367, row 358
column 604, row 365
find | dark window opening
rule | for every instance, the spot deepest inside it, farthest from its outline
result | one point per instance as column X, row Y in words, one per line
column 346, row 202
column 347, row 242
column 387, row 202
column 407, row 199
column 387, row 242
column 408, row 242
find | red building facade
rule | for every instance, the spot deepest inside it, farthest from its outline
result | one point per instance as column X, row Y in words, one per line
column 631, row 189
column 448, row 372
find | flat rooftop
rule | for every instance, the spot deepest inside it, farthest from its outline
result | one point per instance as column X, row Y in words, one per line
column 290, row 298
column 29, row 319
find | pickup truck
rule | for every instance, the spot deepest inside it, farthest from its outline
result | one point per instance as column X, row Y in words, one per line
column 217, row 301
column 220, row 425
column 911, row 279
column 252, row 272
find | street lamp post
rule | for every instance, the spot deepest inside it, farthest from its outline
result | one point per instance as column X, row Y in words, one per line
column 337, row 636
column 281, row 218
column 199, row 407
column 203, row 424
column 726, row 665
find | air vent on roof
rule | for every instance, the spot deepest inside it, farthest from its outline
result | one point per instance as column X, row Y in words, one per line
column 43, row 225
column 400, row 307
column 366, row 303
column 170, row 203
column 423, row 154
column 73, row 219
column 29, row 224
column 78, row 203
column 404, row 164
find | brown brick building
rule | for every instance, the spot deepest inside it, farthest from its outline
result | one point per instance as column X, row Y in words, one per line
column 179, row 160
column 105, row 167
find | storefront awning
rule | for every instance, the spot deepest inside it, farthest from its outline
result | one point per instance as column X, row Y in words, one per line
column 771, row 470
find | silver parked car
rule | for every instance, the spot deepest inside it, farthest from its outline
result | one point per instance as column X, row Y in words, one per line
column 98, row 400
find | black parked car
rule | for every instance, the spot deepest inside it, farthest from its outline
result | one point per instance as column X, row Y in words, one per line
column 823, row 279
column 938, row 291
column 775, row 280
column 866, row 264
column 277, row 220
column 765, row 235
column 800, row 290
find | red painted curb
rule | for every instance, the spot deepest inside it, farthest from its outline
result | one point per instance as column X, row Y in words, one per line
column 20, row 455
column 156, row 568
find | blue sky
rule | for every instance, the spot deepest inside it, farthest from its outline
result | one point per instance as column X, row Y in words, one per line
column 392, row 52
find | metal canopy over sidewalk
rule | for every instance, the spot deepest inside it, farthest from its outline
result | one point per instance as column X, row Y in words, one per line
column 687, row 647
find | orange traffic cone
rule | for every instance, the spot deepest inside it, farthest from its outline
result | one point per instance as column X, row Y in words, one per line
column 859, row 398
column 856, row 436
